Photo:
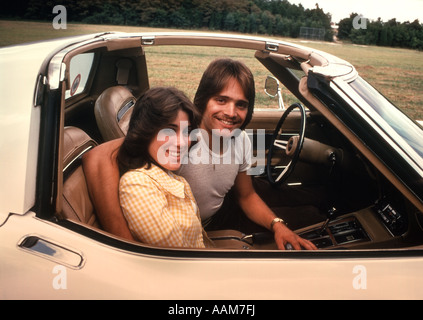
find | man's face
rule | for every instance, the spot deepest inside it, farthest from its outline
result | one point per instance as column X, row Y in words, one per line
column 227, row 110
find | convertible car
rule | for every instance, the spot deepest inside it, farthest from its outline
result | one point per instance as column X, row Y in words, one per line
column 318, row 127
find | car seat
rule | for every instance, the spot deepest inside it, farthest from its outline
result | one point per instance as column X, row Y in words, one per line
column 113, row 110
column 77, row 205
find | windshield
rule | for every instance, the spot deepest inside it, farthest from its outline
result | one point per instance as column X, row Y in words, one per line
column 395, row 118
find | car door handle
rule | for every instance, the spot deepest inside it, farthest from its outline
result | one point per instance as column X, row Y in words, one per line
column 52, row 251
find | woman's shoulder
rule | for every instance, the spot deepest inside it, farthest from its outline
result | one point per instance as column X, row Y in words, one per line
column 140, row 175
column 153, row 175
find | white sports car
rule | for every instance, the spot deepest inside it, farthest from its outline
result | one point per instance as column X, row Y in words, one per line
column 329, row 130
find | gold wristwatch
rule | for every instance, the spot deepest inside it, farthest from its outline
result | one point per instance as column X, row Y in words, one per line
column 276, row 220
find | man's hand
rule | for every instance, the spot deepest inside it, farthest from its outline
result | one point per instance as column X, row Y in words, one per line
column 283, row 236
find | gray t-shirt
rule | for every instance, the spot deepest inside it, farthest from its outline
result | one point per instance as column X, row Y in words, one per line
column 212, row 175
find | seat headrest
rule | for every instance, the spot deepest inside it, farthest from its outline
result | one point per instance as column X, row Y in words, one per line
column 113, row 110
column 76, row 143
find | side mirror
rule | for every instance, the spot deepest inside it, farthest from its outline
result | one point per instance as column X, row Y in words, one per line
column 273, row 89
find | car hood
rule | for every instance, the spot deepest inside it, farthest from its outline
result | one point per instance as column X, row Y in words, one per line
column 20, row 66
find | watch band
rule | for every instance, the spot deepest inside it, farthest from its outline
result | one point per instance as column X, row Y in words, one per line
column 276, row 220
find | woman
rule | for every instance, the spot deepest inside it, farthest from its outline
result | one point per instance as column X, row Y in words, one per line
column 159, row 205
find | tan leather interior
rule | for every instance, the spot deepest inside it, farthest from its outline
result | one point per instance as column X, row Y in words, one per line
column 113, row 111
column 77, row 204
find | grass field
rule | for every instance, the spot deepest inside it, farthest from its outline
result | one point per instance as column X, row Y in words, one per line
column 397, row 73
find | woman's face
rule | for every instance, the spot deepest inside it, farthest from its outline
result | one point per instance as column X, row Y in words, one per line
column 171, row 143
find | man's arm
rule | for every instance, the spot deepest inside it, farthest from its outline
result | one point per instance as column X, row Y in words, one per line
column 102, row 175
column 257, row 210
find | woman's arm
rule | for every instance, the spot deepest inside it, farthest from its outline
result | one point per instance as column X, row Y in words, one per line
column 102, row 176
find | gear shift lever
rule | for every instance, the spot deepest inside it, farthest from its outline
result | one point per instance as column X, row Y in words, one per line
column 331, row 215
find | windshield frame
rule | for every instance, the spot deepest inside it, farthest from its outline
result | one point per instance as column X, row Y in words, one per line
column 407, row 128
column 385, row 148
column 385, row 117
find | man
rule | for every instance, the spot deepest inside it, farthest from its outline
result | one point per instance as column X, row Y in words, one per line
column 225, row 97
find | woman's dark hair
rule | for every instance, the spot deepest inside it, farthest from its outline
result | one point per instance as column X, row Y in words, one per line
column 154, row 110
column 215, row 79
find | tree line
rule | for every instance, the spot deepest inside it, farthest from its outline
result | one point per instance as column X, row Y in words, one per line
column 380, row 33
column 271, row 17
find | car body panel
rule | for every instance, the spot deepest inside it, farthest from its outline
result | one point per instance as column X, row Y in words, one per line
column 20, row 120
column 136, row 276
column 19, row 124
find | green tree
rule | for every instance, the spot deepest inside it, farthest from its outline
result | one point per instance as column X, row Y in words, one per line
column 229, row 22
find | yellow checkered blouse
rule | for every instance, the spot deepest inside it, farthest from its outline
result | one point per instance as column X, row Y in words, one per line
column 160, row 209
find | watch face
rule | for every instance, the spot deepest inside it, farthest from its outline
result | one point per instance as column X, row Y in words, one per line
column 276, row 220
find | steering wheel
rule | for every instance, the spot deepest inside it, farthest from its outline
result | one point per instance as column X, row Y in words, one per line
column 287, row 146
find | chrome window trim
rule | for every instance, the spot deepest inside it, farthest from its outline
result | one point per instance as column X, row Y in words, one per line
column 56, row 67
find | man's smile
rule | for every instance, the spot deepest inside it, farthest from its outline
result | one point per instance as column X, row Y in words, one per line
column 228, row 121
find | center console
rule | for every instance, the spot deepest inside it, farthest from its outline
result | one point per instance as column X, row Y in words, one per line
column 337, row 233
column 384, row 221
column 377, row 226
